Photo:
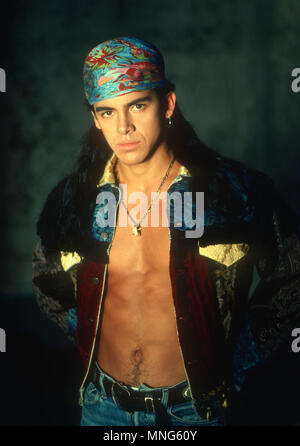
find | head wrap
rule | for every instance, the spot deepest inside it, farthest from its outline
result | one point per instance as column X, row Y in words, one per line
column 120, row 66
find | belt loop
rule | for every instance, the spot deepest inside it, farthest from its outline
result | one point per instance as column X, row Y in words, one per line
column 100, row 377
column 165, row 397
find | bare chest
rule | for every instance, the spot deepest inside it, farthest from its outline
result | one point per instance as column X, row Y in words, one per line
column 140, row 254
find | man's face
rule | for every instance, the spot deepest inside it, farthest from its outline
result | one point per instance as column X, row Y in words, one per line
column 132, row 123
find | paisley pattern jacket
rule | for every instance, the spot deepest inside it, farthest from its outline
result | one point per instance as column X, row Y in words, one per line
column 235, row 288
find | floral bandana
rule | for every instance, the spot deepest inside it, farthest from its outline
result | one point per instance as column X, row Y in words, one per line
column 120, row 66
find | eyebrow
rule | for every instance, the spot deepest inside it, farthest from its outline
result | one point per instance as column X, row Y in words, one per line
column 136, row 101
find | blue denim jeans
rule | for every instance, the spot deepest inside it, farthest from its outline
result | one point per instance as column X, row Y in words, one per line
column 100, row 410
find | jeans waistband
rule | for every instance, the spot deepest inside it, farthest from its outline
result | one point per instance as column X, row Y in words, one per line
column 128, row 397
column 142, row 387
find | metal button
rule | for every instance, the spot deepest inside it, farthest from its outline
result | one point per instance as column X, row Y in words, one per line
column 95, row 280
column 104, row 235
column 180, row 318
column 91, row 320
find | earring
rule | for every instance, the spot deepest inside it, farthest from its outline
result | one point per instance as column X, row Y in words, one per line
column 169, row 122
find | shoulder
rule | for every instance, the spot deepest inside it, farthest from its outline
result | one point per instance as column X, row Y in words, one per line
column 229, row 178
column 238, row 198
column 253, row 195
column 239, row 176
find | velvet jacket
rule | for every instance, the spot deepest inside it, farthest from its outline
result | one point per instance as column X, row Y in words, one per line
column 235, row 288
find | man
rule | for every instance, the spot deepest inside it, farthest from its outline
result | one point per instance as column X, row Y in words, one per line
column 160, row 313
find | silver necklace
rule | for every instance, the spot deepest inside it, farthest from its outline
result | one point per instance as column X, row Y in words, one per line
column 137, row 230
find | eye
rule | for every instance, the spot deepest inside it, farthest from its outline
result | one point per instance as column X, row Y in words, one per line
column 106, row 114
column 139, row 107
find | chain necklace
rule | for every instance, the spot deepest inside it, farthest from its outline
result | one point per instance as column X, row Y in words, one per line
column 137, row 230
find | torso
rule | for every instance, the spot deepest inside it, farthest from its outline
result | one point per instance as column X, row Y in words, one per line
column 138, row 340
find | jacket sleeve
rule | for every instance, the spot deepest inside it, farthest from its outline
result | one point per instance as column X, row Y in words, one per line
column 274, row 306
column 55, row 288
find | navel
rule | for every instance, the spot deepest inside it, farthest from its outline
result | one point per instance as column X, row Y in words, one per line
column 137, row 356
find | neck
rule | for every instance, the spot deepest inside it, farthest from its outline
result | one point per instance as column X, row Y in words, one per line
column 148, row 173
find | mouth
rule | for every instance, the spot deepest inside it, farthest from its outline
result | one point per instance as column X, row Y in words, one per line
column 127, row 146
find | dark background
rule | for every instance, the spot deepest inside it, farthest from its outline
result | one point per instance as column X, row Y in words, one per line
column 231, row 62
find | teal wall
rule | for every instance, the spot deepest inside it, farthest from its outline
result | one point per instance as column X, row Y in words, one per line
column 231, row 62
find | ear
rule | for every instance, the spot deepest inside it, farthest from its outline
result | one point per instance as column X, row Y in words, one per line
column 96, row 120
column 171, row 101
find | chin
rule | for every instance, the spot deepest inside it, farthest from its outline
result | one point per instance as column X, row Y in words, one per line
column 131, row 158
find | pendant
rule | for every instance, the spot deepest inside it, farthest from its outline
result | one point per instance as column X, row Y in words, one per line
column 136, row 230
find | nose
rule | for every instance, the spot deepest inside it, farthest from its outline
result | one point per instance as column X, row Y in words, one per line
column 125, row 125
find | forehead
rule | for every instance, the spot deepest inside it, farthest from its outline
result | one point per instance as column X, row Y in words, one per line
column 125, row 99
